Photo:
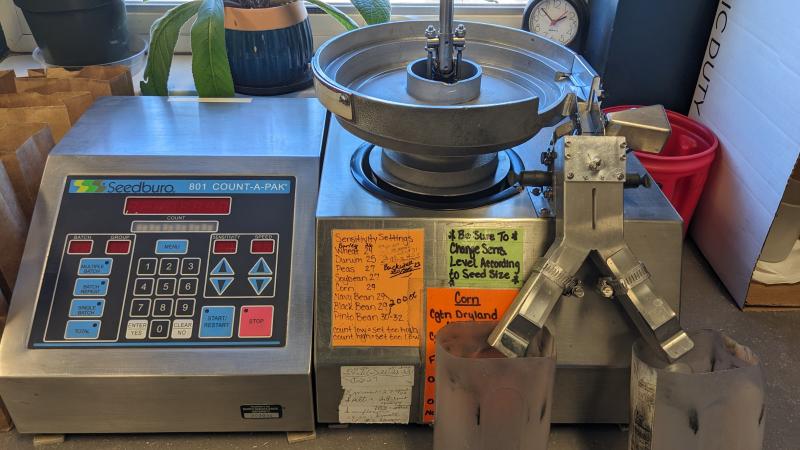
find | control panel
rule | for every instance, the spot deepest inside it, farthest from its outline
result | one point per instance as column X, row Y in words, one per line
column 168, row 262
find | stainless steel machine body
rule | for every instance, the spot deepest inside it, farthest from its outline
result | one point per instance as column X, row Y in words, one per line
column 593, row 334
column 96, row 369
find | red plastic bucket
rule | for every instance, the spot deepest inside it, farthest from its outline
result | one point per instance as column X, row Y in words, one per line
column 681, row 169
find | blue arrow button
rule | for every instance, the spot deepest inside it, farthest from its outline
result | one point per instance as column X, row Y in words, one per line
column 222, row 268
column 220, row 284
column 260, row 268
column 259, row 283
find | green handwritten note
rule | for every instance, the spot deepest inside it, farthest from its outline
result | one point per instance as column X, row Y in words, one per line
column 484, row 257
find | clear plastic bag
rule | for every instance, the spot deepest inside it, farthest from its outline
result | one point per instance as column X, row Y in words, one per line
column 711, row 399
column 487, row 401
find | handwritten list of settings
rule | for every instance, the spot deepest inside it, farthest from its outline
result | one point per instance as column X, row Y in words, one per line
column 377, row 287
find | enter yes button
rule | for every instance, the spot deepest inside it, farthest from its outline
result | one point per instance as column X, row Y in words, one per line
column 256, row 321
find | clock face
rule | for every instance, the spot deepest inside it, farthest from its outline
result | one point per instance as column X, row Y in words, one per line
column 554, row 19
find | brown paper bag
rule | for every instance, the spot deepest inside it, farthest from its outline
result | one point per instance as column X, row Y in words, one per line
column 7, row 85
column 3, row 310
column 23, row 153
column 13, row 229
column 99, row 80
column 5, row 418
column 60, row 110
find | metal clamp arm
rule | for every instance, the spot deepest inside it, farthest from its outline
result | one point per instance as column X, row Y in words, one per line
column 656, row 321
column 529, row 311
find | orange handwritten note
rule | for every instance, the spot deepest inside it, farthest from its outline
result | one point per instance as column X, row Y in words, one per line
column 447, row 305
column 378, row 281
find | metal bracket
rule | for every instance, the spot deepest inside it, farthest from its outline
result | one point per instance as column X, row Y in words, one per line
column 335, row 100
column 590, row 177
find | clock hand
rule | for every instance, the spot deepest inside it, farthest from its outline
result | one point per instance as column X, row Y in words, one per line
column 548, row 15
column 553, row 22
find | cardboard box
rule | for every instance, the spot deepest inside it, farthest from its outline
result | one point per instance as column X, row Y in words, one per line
column 99, row 80
column 59, row 110
column 747, row 94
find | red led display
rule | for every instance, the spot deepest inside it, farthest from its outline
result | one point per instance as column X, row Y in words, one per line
column 178, row 205
column 79, row 247
column 225, row 246
column 262, row 246
column 115, row 247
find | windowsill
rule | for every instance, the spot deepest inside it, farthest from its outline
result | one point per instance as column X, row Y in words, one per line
column 180, row 82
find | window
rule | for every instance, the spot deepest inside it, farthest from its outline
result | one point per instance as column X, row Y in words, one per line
column 141, row 15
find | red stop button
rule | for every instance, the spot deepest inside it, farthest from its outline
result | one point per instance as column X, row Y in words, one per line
column 256, row 321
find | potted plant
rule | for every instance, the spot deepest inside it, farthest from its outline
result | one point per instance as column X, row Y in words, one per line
column 78, row 32
column 256, row 47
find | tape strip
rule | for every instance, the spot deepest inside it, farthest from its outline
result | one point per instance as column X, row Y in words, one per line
column 265, row 19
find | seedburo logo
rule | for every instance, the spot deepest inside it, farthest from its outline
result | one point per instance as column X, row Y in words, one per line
column 119, row 187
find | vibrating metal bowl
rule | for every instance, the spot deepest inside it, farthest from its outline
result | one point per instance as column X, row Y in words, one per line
column 445, row 139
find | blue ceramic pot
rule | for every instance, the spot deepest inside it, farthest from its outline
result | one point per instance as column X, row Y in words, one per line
column 269, row 49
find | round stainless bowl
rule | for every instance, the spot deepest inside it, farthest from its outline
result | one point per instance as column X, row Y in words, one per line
column 527, row 83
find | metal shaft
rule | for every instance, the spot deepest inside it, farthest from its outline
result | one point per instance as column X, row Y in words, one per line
column 445, row 37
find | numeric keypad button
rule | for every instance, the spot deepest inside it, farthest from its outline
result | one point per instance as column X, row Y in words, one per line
column 162, row 307
column 140, row 307
column 184, row 307
column 182, row 328
column 146, row 266
column 136, row 329
column 190, row 266
column 168, row 266
column 143, row 286
column 159, row 329
column 165, row 286
column 187, row 286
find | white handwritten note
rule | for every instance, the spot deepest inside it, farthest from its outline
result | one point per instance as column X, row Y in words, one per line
column 376, row 394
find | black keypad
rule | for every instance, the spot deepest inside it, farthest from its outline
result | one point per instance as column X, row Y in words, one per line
column 168, row 266
column 184, row 307
column 187, row 286
column 165, row 286
column 159, row 329
column 162, row 307
column 147, row 266
column 143, row 286
column 190, row 266
column 140, row 307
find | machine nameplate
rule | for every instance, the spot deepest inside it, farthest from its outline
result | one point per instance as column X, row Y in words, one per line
column 377, row 293
column 484, row 257
column 261, row 411
column 447, row 305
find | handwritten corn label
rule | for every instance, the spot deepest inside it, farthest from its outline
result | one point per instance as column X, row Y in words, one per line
column 484, row 257
column 378, row 280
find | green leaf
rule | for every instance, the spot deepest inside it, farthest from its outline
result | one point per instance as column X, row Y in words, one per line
column 336, row 13
column 163, row 37
column 210, row 68
column 374, row 11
